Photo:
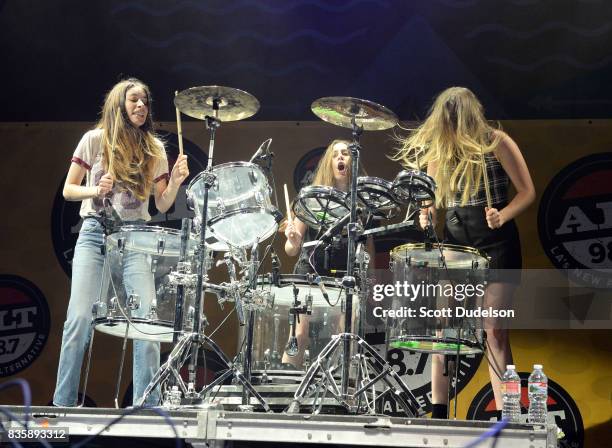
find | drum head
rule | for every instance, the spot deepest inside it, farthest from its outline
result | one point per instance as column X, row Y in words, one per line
column 320, row 206
column 376, row 195
column 414, row 187
column 454, row 256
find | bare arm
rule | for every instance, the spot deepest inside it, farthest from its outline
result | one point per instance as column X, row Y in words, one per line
column 165, row 192
column 511, row 159
column 295, row 235
column 74, row 191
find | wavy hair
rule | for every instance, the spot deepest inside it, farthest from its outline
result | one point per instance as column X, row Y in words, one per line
column 137, row 150
column 324, row 174
column 454, row 135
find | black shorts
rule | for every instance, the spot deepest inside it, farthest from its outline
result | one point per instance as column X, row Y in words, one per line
column 467, row 226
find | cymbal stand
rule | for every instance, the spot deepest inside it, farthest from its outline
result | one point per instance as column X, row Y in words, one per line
column 191, row 342
column 370, row 368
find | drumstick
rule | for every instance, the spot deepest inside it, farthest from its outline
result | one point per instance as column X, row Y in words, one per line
column 486, row 179
column 114, row 141
column 287, row 204
column 179, row 128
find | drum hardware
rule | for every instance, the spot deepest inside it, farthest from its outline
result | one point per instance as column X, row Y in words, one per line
column 133, row 302
column 214, row 104
column 369, row 367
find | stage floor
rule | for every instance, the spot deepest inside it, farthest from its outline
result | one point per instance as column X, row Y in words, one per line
column 216, row 427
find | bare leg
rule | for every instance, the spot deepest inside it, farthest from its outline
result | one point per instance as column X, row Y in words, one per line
column 439, row 382
column 498, row 296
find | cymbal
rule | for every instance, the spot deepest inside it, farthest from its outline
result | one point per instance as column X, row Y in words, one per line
column 340, row 110
column 233, row 104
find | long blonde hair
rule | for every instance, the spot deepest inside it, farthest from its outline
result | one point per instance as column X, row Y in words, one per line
column 324, row 174
column 455, row 135
column 137, row 150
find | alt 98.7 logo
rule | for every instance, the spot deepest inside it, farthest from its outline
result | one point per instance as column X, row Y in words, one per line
column 575, row 220
column 24, row 324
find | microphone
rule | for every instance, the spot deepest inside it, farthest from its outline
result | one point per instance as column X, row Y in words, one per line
column 321, row 286
column 276, row 265
column 264, row 147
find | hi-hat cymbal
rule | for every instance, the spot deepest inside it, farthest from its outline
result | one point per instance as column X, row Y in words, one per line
column 232, row 104
column 340, row 110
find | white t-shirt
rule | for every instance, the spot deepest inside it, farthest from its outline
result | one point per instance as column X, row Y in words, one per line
column 88, row 154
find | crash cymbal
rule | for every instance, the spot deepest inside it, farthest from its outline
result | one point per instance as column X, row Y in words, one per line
column 340, row 110
column 233, row 104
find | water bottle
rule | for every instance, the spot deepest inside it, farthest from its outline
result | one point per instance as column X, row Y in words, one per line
column 511, row 395
column 538, row 394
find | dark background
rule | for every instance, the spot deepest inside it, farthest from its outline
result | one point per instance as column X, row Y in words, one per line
column 526, row 59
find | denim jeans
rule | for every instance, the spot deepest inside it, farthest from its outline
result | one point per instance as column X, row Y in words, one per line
column 87, row 267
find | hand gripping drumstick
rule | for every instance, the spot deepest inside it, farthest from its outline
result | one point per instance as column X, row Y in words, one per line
column 114, row 141
column 179, row 128
column 287, row 204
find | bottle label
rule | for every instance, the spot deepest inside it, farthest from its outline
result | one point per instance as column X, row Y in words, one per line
column 511, row 388
column 538, row 388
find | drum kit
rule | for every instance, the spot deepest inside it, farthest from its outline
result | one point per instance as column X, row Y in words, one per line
column 330, row 361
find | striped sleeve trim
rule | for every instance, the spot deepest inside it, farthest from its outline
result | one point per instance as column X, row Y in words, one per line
column 81, row 162
column 165, row 176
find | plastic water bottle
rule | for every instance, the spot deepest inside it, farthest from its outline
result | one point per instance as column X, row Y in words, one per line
column 538, row 394
column 511, row 395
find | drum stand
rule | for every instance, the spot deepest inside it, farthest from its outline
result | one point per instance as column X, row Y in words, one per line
column 370, row 368
column 191, row 342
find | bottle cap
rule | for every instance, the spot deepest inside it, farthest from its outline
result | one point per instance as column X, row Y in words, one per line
column 510, row 366
column 537, row 366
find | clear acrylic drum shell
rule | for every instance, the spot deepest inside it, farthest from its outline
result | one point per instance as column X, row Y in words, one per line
column 324, row 322
column 138, row 260
column 413, row 264
column 318, row 204
column 239, row 207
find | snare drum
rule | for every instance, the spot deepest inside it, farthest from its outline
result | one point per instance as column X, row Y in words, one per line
column 438, row 294
column 320, row 206
column 272, row 329
column 239, row 207
column 414, row 187
column 137, row 284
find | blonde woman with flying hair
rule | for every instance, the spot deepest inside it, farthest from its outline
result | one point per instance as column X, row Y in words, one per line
column 127, row 176
column 452, row 143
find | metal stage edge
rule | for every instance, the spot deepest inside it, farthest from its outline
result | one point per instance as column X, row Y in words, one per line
column 214, row 427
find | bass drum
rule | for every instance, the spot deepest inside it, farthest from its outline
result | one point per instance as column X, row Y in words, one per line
column 313, row 332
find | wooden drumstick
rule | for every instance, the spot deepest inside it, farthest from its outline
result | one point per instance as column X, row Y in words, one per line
column 114, row 141
column 179, row 128
column 287, row 203
column 486, row 179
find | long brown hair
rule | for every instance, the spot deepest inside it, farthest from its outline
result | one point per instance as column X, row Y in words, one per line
column 137, row 150
column 454, row 135
column 324, row 174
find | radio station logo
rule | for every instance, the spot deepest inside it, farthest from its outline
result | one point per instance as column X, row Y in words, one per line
column 66, row 222
column 305, row 168
column 24, row 324
column 575, row 220
column 562, row 410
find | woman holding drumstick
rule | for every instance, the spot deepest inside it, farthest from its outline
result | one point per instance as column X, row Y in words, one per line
column 473, row 164
column 122, row 162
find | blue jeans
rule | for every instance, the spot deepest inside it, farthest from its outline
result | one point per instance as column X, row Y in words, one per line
column 87, row 267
